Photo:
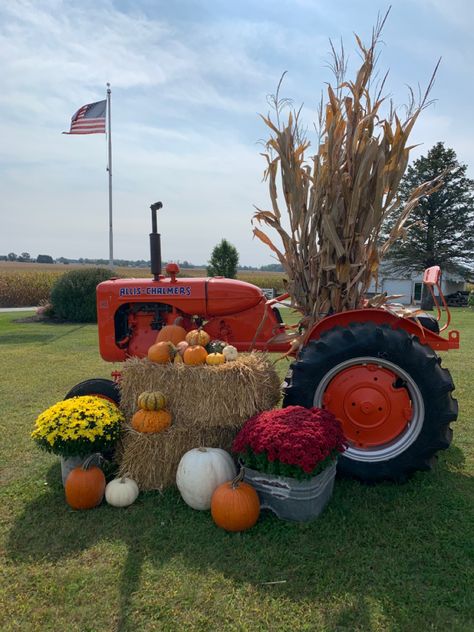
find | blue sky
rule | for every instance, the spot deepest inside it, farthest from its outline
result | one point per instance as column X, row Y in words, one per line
column 189, row 78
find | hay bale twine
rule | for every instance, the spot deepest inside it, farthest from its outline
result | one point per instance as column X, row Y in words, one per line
column 209, row 404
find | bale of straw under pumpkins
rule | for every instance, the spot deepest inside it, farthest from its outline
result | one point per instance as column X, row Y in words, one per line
column 208, row 405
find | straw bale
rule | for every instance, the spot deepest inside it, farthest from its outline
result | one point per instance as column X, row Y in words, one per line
column 223, row 395
column 208, row 405
column 152, row 459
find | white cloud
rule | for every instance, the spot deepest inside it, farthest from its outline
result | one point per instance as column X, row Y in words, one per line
column 186, row 92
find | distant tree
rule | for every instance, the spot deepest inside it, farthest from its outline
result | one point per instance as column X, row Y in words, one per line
column 44, row 259
column 272, row 267
column 3, row 258
column 442, row 225
column 25, row 257
column 12, row 256
column 224, row 260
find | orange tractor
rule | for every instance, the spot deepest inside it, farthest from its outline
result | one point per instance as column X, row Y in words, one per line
column 377, row 372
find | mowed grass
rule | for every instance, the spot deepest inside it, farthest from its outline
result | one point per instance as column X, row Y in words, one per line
column 386, row 557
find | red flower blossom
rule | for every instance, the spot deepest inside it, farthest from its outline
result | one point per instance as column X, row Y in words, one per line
column 293, row 441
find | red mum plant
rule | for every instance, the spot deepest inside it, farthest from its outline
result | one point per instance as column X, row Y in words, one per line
column 294, row 441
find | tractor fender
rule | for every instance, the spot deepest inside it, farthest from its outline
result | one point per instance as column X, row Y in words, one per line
column 383, row 317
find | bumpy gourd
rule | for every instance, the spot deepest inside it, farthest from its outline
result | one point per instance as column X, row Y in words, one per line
column 151, row 419
column 198, row 337
column 215, row 346
column 230, row 353
column 148, row 421
column 215, row 359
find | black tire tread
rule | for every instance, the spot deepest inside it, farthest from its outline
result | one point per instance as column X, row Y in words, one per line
column 96, row 386
column 401, row 348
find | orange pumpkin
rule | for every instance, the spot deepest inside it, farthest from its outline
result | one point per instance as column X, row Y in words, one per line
column 85, row 486
column 198, row 337
column 161, row 352
column 195, row 355
column 151, row 420
column 235, row 505
column 172, row 333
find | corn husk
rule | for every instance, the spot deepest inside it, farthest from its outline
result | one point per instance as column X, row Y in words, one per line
column 337, row 200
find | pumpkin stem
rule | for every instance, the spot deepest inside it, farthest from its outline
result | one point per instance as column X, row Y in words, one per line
column 239, row 478
column 202, row 449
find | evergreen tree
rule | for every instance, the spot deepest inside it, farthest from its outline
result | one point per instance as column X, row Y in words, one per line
column 442, row 225
column 224, row 260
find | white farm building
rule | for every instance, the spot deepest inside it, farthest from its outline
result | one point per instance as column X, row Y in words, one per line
column 410, row 284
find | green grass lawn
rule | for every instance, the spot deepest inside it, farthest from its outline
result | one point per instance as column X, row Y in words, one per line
column 385, row 557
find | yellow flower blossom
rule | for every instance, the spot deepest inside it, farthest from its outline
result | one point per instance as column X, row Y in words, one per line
column 64, row 427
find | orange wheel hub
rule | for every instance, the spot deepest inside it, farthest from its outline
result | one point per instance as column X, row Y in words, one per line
column 372, row 411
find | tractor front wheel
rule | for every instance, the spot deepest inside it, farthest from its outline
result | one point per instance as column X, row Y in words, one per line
column 96, row 386
column 388, row 390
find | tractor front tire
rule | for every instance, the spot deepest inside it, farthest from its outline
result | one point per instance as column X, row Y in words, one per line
column 96, row 386
column 389, row 391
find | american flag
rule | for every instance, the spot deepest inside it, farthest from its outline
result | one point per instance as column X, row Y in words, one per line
column 90, row 119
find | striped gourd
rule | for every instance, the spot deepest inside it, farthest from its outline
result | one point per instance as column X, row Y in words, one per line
column 151, row 400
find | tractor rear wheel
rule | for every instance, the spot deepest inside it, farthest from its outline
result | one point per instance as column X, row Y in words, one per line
column 388, row 390
column 96, row 386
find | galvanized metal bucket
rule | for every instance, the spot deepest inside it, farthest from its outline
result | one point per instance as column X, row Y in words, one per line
column 290, row 499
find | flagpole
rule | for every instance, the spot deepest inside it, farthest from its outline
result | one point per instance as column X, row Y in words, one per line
column 109, row 169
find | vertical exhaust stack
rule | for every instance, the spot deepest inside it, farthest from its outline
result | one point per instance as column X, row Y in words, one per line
column 155, row 243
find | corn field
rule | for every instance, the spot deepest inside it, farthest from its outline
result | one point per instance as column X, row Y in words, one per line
column 30, row 285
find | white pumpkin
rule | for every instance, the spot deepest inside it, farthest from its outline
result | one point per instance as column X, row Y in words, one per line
column 121, row 492
column 200, row 471
column 230, row 353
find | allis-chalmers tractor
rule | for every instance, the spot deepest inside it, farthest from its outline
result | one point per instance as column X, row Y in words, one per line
column 377, row 372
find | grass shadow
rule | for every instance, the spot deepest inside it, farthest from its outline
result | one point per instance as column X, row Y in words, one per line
column 373, row 542
column 37, row 337
column 403, row 544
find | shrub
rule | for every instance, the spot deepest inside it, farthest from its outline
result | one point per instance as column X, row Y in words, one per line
column 470, row 300
column 73, row 294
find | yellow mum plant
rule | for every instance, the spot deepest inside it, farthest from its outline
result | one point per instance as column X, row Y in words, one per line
column 78, row 426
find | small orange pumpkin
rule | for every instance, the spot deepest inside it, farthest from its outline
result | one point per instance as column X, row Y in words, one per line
column 235, row 505
column 195, row 355
column 85, row 486
column 161, row 352
column 151, row 420
column 215, row 358
column 172, row 333
column 198, row 337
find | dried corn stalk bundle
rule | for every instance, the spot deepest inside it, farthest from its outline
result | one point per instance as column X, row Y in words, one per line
column 337, row 200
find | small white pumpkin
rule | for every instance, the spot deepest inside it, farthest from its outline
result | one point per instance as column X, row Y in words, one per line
column 230, row 353
column 121, row 492
column 200, row 472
